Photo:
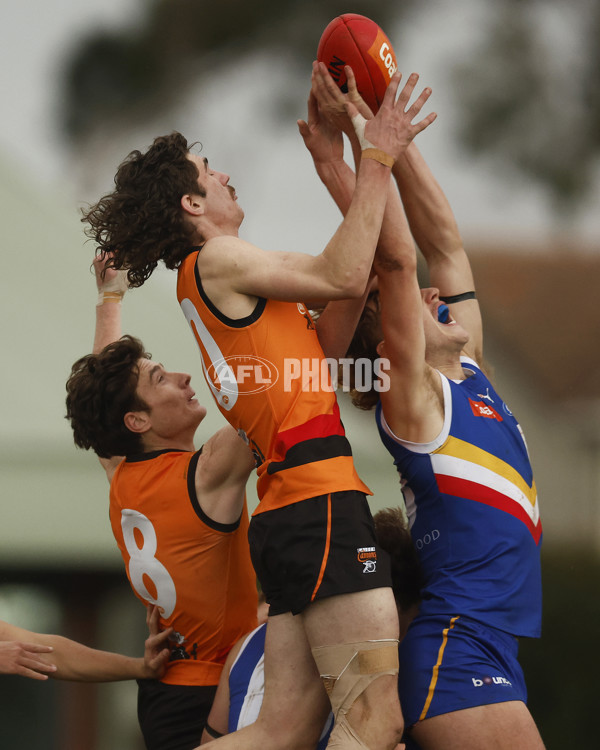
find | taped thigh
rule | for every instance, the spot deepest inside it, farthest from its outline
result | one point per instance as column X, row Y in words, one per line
column 347, row 669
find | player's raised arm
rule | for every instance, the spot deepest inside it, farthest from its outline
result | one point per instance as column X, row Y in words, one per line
column 435, row 230
column 324, row 141
column 342, row 269
column 111, row 285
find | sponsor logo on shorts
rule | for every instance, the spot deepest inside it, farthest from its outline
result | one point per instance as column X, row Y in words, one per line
column 368, row 557
column 497, row 680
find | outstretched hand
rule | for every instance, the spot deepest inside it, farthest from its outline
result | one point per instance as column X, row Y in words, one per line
column 391, row 129
column 22, row 658
column 331, row 100
column 320, row 136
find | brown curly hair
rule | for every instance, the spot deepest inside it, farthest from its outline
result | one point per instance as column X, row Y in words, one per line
column 141, row 221
column 100, row 391
column 364, row 346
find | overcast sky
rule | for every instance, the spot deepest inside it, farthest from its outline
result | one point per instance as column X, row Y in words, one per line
column 269, row 170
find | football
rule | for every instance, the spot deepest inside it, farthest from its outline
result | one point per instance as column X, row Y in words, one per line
column 357, row 41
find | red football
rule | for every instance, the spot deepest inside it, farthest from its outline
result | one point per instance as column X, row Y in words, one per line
column 354, row 40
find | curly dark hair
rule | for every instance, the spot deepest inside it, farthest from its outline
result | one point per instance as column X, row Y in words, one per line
column 141, row 221
column 364, row 346
column 393, row 535
column 100, row 391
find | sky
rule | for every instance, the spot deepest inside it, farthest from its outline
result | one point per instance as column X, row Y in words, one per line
column 268, row 168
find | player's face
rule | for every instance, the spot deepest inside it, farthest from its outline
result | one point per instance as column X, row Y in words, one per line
column 441, row 330
column 220, row 202
column 172, row 408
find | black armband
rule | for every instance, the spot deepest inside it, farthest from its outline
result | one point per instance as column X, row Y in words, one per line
column 458, row 297
column 213, row 732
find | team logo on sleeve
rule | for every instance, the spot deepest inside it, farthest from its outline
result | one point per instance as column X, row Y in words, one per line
column 368, row 557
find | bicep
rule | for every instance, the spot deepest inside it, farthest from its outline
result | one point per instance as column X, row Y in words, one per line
column 226, row 459
column 222, row 472
column 233, row 265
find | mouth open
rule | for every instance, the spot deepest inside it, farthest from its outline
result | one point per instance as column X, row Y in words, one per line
column 443, row 314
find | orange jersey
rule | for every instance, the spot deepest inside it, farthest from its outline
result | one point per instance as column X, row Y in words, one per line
column 196, row 570
column 269, row 378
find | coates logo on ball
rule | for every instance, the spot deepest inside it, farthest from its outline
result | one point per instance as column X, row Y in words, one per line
column 356, row 41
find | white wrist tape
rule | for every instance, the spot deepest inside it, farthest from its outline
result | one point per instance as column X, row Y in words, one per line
column 368, row 149
column 359, row 122
column 114, row 289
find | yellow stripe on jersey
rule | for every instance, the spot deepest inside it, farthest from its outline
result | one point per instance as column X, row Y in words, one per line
column 459, row 458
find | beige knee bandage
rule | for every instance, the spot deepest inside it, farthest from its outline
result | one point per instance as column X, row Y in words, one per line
column 343, row 737
column 349, row 668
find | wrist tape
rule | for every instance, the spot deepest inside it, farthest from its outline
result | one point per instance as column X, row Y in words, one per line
column 369, row 150
column 113, row 290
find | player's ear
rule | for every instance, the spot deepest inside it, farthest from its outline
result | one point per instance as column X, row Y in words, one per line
column 192, row 204
column 137, row 421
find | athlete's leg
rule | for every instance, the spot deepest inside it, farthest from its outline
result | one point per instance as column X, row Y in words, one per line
column 375, row 715
column 295, row 706
column 497, row 726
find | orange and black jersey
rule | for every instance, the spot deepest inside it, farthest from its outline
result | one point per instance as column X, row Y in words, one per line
column 196, row 570
column 268, row 376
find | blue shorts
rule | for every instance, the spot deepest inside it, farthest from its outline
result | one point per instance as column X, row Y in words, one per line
column 450, row 663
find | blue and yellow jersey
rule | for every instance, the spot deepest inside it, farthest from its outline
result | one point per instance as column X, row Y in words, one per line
column 473, row 510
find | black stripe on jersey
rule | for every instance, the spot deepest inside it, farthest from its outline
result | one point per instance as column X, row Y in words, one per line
column 231, row 322
column 191, row 484
column 310, row 451
column 152, row 454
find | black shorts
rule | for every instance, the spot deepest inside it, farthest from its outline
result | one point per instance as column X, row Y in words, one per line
column 316, row 548
column 173, row 717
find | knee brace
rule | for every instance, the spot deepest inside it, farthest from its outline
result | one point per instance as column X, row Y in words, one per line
column 347, row 669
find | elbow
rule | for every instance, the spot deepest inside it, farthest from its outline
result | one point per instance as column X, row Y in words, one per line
column 353, row 285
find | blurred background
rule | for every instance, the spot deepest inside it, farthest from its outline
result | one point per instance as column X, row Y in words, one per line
column 517, row 90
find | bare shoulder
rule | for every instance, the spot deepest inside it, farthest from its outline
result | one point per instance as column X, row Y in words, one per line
column 225, row 459
column 415, row 413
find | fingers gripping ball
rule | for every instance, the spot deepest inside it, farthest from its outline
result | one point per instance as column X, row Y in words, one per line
column 356, row 41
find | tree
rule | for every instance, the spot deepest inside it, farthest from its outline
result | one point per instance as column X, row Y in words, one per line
column 532, row 104
column 122, row 75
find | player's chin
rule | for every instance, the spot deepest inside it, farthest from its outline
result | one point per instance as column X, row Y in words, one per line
column 199, row 408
